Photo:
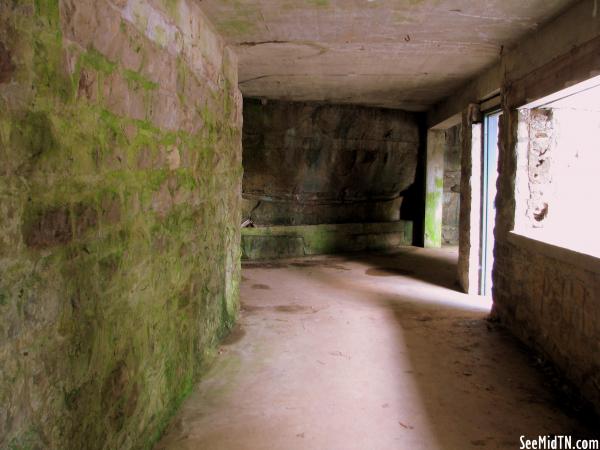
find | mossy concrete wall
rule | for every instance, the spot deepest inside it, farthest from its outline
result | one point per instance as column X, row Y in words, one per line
column 120, row 202
column 451, row 203
column 309, row 163
column 434, row 187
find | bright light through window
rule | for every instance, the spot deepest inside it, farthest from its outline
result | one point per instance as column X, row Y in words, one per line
column 559, row 160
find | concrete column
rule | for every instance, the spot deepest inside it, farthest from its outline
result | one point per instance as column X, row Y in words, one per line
column 434, row 190
column 470, row 203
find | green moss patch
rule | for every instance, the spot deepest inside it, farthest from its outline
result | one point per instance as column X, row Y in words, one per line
column 120, row 269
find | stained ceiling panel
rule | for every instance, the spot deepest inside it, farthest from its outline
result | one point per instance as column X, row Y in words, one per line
column 399, row 54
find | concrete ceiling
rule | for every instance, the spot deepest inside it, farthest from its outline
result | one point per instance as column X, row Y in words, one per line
column 405, row 54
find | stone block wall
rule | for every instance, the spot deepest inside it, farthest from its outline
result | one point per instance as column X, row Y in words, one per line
column 307, row 163
column 120, row 203
column 553, row 305
column 547, row 296
column 451, row 200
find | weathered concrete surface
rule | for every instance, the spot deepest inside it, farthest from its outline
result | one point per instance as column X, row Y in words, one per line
column 312, row 164
column 120, row 180
column 290, row 241
column 563, row 35
column 366, row 352
column 452, row 169
column 401, row 54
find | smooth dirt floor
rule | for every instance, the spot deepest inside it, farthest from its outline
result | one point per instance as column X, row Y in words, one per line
column 376, row 351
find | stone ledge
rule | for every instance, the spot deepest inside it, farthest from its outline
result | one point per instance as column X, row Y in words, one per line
column 301, row 240
column 587, row 262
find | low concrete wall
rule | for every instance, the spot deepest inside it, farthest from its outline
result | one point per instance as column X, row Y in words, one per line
column 289, row 241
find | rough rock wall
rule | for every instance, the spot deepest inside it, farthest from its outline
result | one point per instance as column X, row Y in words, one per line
column 311, row 164
column 539, row 163
column 120, row 182
column 561, row 156
column 451, row 202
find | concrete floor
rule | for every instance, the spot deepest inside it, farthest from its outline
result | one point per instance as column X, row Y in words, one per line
column 366, row 352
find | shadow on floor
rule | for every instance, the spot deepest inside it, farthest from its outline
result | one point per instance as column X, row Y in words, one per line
column 473, row 375
column 438, row 267
column 469, row 371
column 368, row 351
